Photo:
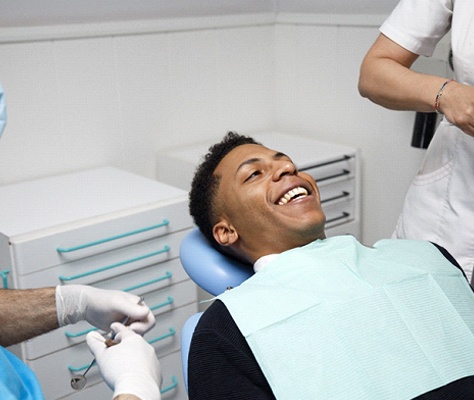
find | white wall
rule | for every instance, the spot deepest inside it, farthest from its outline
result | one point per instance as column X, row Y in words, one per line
column 118, row 99
column 78, row 103
column 316, row 77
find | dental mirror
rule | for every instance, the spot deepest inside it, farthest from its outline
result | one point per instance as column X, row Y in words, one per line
column 79, row 382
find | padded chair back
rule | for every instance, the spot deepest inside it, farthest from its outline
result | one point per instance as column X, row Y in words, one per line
column 210, row 270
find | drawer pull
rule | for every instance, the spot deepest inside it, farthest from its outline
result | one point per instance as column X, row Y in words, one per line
column 4, row 274
column 344, row 158
column 325, row 178
column 78, row 369
column 341, row 196
column 95, row 271
column 109, row 239
column 169, row 301
column 73, row 335
column 81, row 333
column 164, row 304
column 344, row 215
column 172, row 332
column 170, row 387
column 167, row 275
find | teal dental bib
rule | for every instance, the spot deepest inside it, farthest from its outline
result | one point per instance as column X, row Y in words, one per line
column 337, row 320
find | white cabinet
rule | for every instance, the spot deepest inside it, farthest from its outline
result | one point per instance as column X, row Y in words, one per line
column 110, row 229
column 335, row 168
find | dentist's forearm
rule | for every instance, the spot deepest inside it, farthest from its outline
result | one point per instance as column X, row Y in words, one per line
column 386, row 79
column 26, row 313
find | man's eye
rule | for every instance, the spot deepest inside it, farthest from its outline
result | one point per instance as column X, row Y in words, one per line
column 252, row 175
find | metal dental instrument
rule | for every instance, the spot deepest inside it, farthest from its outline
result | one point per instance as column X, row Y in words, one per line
column 79, row 382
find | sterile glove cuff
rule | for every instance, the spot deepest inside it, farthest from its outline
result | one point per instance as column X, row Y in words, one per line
column 143, row 387
column 68, row 304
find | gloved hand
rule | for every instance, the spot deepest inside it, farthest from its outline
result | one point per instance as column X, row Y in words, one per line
column 101, row 307
column 130, row 367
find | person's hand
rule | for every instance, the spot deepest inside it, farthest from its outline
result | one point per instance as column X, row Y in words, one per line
column 101, row 308
column 130, row 367
column 457, row 104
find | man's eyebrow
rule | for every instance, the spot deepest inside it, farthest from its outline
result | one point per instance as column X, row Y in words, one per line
column 279, row 155
column 276, row 156
column 247, row 162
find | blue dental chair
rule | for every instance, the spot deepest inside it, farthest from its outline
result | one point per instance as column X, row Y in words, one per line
column 210, row 270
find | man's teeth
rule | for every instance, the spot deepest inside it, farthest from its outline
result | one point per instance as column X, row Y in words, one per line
column 293, row 193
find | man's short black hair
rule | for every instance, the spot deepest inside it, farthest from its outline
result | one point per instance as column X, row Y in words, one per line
column 205, row 184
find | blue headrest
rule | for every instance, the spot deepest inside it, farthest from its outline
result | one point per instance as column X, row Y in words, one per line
column 207, row 267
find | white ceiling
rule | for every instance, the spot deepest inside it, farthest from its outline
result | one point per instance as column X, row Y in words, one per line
column 29, row 13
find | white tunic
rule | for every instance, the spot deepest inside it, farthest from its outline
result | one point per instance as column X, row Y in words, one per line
column 439, row 205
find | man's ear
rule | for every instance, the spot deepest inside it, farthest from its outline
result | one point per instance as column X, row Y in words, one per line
column 224, row 233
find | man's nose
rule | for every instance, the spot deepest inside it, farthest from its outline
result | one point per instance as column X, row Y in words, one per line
column 284, row 168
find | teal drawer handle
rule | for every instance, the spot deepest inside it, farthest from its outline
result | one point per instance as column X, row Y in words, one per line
column 81, row 368
column 96, row 271
column 172, row 332
column 167, row 275
column 4, row 274
column 169, row 301
column 170, row 387
column 164, row 304
column 109, row 239
column 81, row 333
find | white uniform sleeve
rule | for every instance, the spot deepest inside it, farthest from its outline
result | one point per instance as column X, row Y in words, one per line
column 418, row 25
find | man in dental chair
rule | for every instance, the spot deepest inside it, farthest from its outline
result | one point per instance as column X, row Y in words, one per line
column 322, row 318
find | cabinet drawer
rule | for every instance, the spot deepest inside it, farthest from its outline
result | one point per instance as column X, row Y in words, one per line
column 145, row 280
column 160, row 302
column 341, row 190
column 339, row 213
column 90, row 392
column 172, row 388
column 108, row 265
column 54, row 370
column 65, row 244
column 343, row 167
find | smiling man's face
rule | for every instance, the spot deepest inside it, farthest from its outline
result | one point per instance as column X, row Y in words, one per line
column 264, row 204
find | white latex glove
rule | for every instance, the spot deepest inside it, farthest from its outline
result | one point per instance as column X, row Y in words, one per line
column 130, row 367
column 101, row 307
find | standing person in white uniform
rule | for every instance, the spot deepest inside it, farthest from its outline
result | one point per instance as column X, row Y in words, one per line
column 439, row 205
